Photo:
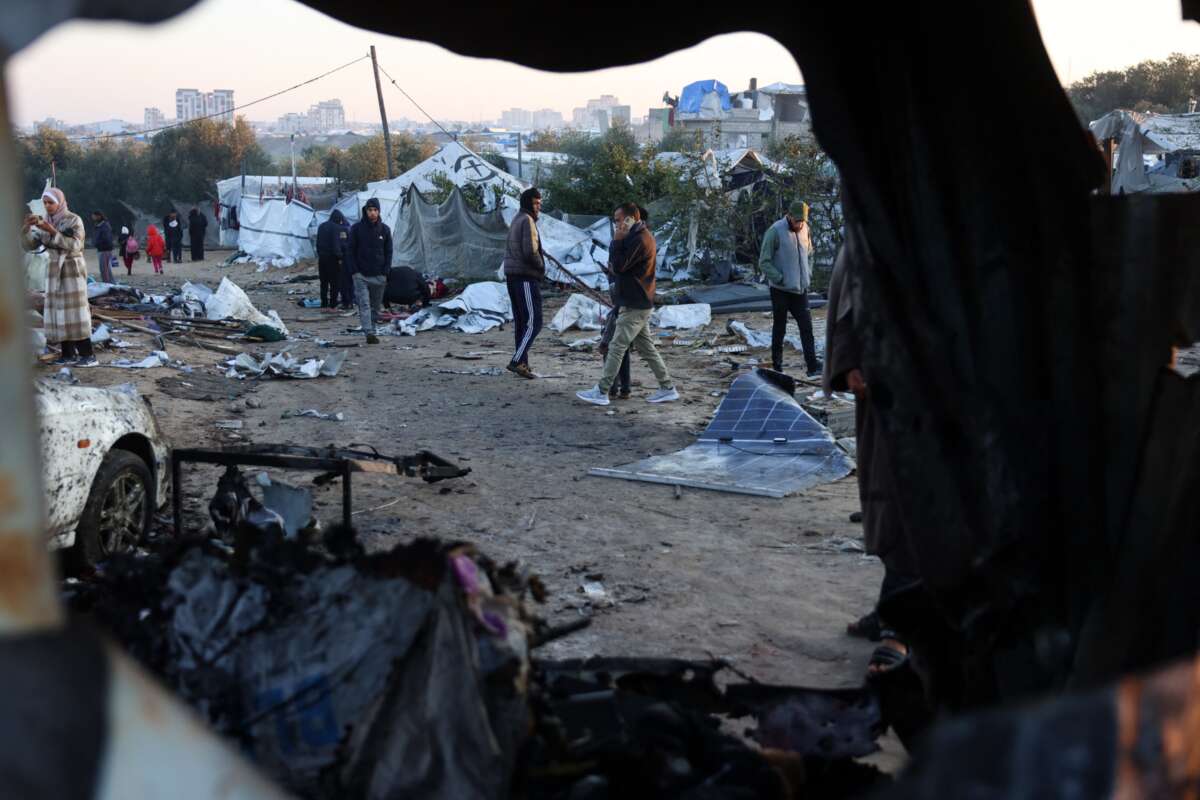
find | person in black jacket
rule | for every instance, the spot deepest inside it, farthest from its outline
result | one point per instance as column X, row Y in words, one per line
column 333, row 236
column 197, row 224
column 103, row 238
column 369, row 256
column 524, row 269
column 173, row 233
column 406, row 287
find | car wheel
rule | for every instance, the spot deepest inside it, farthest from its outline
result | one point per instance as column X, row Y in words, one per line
column 118, row 510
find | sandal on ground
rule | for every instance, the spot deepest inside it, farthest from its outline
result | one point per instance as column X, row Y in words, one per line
column 866, row 627
column 887, row 659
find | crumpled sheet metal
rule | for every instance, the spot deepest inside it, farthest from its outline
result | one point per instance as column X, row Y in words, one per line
column 760, row 442
column 283, row 365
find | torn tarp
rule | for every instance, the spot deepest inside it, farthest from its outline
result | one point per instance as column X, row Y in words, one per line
column 687, row 315
column 760, row 442
column 230, row 302
column 481, row 307
column 580, row 311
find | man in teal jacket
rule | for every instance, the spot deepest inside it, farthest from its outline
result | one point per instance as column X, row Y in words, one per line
column 784, row 260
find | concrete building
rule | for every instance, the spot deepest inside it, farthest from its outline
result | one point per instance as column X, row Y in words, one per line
column 193, row 104
column 292, row 122
column 545, row 118
column 153, row 118
column 327, row 115
column 50, row 123
column 516, row 119
column 189, row 104
column 599, row 113
column 756, row 117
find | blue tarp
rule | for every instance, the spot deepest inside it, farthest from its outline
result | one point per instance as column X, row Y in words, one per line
column 693, row 95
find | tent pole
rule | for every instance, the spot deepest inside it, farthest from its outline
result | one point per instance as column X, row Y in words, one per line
column 387, row 137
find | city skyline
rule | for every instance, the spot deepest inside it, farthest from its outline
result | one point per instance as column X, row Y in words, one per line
column 1080, row 36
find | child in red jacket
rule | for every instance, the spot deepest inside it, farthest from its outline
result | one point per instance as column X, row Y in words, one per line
column 156, row 248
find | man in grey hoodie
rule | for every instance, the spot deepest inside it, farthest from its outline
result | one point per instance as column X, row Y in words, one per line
column 784, row 260
column 524, row 269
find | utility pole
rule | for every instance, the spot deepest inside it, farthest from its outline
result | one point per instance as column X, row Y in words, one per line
column 520, row 160
column 387, row 137
column 293, row 164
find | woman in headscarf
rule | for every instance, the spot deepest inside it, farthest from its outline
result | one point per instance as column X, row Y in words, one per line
column 67, row 316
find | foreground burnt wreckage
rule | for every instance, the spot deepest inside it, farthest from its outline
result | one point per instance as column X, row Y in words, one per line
column 1017, row 329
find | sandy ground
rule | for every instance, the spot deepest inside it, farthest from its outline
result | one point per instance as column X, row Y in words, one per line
column 759, row 581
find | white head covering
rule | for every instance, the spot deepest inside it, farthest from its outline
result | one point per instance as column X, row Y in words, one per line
column 124, row 229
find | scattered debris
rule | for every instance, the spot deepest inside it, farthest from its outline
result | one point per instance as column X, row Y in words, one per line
column 282, row 365
column 158, row 358
column 229, row 424
column 580, row 312
column 312, row 412
column 690, row 315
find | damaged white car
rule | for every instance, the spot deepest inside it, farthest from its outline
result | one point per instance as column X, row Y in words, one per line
column 105, row 468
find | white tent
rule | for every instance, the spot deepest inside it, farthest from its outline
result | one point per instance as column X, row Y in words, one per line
column 272, row 227
column 463, row 167
column 713, row 169
column 231, row 190
column 1172, row 141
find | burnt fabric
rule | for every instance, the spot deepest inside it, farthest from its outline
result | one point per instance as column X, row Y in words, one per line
column 783, row 304
column 525, row 297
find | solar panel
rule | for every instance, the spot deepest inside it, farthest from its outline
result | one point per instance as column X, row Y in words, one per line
column 759, row 442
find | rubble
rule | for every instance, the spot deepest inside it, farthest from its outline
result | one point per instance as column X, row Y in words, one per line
column 283, row 365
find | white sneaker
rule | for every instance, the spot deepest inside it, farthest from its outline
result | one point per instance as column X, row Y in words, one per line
column 594, row 396
column 663, row 396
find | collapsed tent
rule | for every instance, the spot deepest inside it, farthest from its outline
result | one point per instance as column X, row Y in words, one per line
column 760, row 442
column 1170, row 142
column 230, row 191
column 727, row 169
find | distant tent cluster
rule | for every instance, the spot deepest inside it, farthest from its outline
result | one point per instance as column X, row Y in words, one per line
column 1155, row 153
column 450, row 240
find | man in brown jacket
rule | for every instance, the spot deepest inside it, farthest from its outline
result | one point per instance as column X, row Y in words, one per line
column 524, row 269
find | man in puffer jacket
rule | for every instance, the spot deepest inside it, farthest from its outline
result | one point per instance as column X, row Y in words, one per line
column 369, row 257
column 524, row 269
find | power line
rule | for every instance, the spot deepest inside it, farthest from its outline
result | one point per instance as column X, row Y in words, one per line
column 218, row 114
column 452, row 136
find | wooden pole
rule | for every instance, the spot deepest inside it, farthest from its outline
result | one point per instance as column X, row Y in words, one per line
column 387, row 136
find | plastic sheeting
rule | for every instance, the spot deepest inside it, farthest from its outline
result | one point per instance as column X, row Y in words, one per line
column 1139, row 135
column 760, row 442
column 272, row 227
column 481, row 307
column 688, row 315
column 231, row 190
column 704, row 98
column 580, row 311
column 230, row 302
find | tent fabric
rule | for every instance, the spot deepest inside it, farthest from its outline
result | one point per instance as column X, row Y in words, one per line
column 696, row 99
column 231, row 190
column 273, row 227
column 449, row 239
column 463, row 167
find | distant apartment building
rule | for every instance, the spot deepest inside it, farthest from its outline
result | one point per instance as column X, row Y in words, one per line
column 50, row 123
column 516, row 119
column 327, row 115
column 546, row 118
column 292, row 122
column 153, row 118
column 194, row 104
column 600, row 113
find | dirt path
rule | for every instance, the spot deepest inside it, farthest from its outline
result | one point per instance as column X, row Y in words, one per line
column 760, row 581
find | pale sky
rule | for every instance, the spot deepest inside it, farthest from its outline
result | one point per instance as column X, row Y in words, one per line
column 259, row 47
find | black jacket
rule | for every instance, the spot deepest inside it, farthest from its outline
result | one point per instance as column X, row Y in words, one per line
column 103, row 236
column 405, row 286
column 370, row 249
column 634, row 260
column 197, row 224
column 333, row 236
column 173, row 236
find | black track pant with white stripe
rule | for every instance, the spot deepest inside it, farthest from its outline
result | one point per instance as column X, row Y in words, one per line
column 526, row 298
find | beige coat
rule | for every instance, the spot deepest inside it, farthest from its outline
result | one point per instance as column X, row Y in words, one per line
column 67, row 315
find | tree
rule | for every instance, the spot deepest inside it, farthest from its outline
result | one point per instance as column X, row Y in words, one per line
column 186, row 161
column 546, row 141
column 604, row 172
column 681, row 140
column 1164, row 87
column 408, row 150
